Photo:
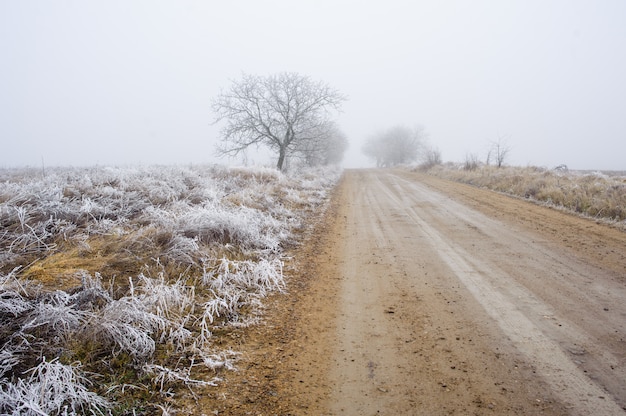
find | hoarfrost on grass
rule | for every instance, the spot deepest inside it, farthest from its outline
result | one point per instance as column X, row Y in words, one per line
column 215, row 237
column 129, row 326
column 52, row 388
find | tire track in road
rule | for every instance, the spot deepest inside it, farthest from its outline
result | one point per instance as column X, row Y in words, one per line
column 552, row 363
column 432, row 289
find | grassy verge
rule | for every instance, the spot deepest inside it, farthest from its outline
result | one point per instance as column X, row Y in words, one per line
column 117, row 283
column 592, row 194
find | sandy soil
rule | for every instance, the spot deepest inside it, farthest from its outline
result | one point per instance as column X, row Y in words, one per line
column 423, row 296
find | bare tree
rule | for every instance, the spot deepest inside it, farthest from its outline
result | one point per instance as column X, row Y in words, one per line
column 471, row 161
column 499, row 150
column 335, row 148
column 328, row 147
column 374, row 148
column 431, row 157
column 395, row 146
column 285, row 112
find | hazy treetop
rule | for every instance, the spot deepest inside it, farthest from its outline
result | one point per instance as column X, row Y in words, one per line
column 125, row 82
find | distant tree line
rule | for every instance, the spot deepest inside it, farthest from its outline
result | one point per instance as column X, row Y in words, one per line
column 400, row 145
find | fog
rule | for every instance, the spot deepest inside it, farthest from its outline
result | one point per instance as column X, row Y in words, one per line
column 130, row 82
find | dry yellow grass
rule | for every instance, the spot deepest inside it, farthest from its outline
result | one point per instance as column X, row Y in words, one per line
column 108, row 255
column 595, row 195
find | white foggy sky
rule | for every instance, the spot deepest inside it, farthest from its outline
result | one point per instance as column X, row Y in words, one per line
column 127, row 82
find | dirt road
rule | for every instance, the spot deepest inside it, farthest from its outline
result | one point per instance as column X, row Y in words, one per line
column 423, row 296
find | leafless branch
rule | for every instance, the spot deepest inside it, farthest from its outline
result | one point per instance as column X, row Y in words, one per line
column 277, row 111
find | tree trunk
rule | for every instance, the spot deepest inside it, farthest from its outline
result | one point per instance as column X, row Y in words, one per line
column 281, row 158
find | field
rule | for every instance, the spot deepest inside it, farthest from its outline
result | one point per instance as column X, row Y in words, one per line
column 115, row 283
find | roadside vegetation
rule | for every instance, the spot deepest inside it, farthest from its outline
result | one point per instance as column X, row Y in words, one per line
column 116, row 282
column 592, row 194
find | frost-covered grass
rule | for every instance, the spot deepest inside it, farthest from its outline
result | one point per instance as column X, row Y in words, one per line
column 593, row 194
column 113, row 280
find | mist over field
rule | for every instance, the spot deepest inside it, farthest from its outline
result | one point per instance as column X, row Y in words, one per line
column 131, row 82
column 171, row 177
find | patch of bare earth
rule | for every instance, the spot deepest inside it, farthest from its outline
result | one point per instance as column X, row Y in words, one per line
column 417, row 295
